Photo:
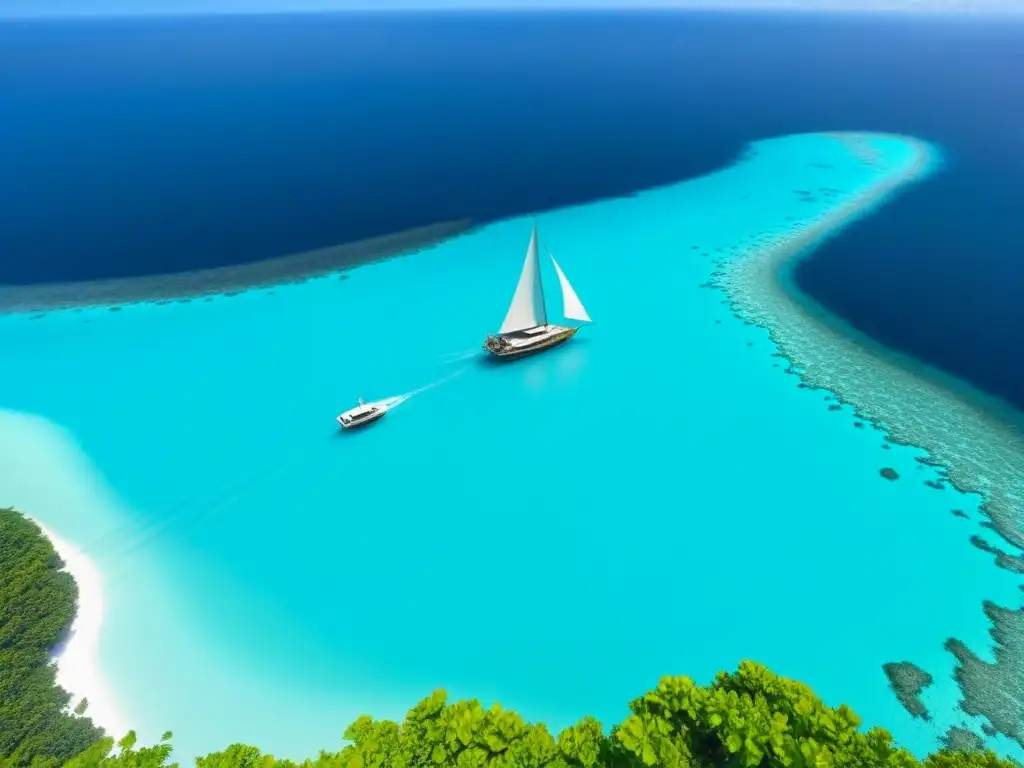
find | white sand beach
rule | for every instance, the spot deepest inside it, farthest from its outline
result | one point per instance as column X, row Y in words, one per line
column 78, row 658
column 44, row 475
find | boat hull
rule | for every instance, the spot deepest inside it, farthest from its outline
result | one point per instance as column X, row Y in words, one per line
column 363, row 422
column 559, row 336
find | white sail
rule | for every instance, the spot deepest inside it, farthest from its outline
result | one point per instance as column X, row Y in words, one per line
column 527, row 308
column 572, row 307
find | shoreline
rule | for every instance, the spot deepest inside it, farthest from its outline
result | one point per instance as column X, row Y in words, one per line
column 812, row 338
column 972, row 439
column 806, row 235
column 77, row 655
column 226, row 280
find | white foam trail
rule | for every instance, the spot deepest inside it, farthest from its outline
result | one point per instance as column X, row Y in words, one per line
column 197, row 511
column 459, row 357
column 440, row 381
column 394, row 402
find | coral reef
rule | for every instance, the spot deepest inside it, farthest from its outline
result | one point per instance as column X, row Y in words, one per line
column 908, row 681
column 995, row 691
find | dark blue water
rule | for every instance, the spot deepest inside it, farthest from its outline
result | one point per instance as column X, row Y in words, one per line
column 140, row 147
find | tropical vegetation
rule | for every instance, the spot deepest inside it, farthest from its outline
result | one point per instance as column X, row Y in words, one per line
column 751, row 718
column 37, row 604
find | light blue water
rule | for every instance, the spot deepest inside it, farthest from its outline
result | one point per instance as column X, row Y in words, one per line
column 657, row 496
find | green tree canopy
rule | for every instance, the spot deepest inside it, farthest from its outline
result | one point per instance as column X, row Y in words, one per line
column 754, row 719
column 37, row 604
column 748, row 719
column 751, row 718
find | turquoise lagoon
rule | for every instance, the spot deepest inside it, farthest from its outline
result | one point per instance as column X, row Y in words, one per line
column 657, row 496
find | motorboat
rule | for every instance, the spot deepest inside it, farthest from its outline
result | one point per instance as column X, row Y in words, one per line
column 362, row 414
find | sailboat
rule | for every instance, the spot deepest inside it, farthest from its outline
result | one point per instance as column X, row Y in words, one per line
column 526, row 329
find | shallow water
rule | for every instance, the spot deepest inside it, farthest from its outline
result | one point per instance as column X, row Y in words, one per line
column 657, row 496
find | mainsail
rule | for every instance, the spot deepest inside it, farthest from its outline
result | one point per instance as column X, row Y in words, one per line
column 527, row 308
column 572, row 307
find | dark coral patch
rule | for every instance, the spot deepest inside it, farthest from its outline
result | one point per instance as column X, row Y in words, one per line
column 908, row 681
column 1004, row 560
column 960, row 739
column 995, row 691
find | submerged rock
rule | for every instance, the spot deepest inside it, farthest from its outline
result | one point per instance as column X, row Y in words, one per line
column 889, row 473
column 995, row 691
column 960, row 739
column 1004, row 560
column 908, row 681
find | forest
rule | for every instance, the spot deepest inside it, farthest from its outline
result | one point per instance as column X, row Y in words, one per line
column 750, row 718
column 37, row 604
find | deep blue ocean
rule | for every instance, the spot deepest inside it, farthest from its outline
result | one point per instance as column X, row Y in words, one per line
column 247, row 548
column 143, row 146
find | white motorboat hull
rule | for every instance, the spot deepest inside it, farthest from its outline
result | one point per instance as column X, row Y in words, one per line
column 362, row 421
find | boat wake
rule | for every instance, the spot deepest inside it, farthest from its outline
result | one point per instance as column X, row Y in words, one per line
column 191, row 512
column 397, row 400
column 440, row 381
column 392, row 402
column 196, row 512
column 459, row 357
